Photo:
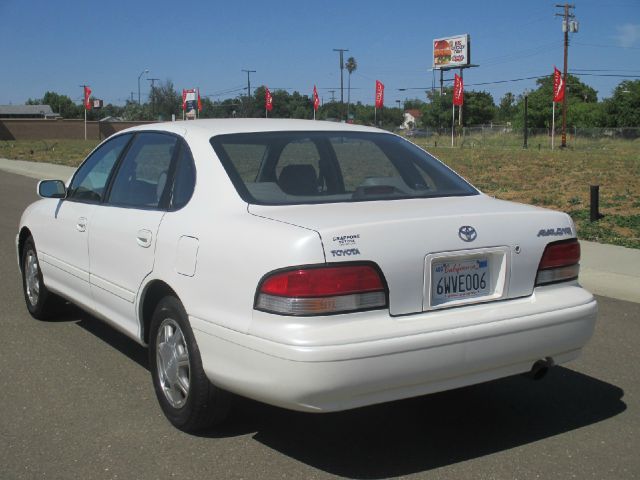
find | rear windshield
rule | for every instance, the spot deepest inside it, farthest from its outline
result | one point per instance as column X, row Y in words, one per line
column 283, row 168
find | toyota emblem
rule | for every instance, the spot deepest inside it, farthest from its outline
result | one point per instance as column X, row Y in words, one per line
column 467, row 233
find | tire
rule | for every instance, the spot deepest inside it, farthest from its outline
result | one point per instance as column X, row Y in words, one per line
column 41, row 303
column 187, row 397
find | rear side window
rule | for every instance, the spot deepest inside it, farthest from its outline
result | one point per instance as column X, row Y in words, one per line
column 330, row 167
column 142, row 177
column 352, row 152
column 185, row 179
column 89, row 182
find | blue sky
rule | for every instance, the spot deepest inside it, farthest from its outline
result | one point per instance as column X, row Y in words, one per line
column 59, row 45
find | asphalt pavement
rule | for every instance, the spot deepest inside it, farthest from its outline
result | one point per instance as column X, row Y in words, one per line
column 77, row 402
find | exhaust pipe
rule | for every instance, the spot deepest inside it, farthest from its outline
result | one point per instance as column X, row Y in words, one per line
column 540, row 369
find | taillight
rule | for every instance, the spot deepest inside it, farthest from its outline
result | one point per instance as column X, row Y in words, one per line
column 560, row 262
column 322, row 290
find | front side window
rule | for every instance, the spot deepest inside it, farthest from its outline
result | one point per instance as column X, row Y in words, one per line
column 89, row 182
column 328, row 167
column 142, row 177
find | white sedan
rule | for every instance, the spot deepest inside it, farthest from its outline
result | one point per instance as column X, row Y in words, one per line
column 315, row 266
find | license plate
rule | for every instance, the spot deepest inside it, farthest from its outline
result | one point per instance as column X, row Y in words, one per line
column 460, row 280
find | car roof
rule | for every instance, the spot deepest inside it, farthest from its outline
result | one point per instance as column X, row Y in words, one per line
column 211, row 127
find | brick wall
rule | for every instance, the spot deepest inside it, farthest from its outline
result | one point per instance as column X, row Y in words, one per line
column 38, row 129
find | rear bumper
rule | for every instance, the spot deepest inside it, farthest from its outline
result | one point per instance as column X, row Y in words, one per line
column 356, row 373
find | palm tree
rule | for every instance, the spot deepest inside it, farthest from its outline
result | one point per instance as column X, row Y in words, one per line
column 351, row 65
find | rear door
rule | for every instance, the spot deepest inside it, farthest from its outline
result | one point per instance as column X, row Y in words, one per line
column 122, row 240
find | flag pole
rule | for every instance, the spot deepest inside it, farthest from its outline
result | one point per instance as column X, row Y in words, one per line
column 553, row 122
column 85, row 121
column 375, row 116
column 453, row 121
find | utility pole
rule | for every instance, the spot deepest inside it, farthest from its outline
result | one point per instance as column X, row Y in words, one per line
column 526, row 121
column 249, row 72
column 333, row 95
column 84, row 104
column 341, row 50
column 569, row 24
column 153, row 96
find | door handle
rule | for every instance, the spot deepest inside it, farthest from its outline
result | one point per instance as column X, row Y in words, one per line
column 81, row 226
column 143, row 237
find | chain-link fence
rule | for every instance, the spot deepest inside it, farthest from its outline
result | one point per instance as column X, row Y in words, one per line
column 540, row 138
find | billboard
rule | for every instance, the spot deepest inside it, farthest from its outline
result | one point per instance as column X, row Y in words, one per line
column 451, row 52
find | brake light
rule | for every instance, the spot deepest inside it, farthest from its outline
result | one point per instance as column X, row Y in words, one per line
column 322, row 290
column 560, row 262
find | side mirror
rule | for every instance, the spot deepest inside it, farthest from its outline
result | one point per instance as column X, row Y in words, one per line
column 52, row 189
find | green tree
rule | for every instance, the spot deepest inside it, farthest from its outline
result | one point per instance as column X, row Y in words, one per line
column 165, row 101
column 623, row 109
column 133, row 111
column 437, row 113
column 413, row 104
column 507, row 109
column 586, row 115
column 285, row 105
column 539, row 103
column 478, row 108
column 61, row 104
column 351, row 65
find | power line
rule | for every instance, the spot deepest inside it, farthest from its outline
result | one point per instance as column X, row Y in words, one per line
column 604, row 70
column 604, row 75
column 603, row 46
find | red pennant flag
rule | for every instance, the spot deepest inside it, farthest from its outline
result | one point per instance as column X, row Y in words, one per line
column 379, row 94
column 458, row 90
column 316, row 99
column 87, row 94
column 199, row 102
column 268, row 100
column 558, row 85
column 184, row 99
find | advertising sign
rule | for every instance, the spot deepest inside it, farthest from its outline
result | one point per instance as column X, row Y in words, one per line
column 379, row 94
column 458, row 90
column 189, row 102
column 451, row 52
column 558, row 85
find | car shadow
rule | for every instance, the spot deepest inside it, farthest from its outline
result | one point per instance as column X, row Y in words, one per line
column 421, row 434
column 414, row 435
column 133, row 350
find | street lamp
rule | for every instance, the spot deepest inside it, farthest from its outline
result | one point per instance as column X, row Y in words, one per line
column 146, row 70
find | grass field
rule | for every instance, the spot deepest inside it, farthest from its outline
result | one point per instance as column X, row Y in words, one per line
column 558, row 179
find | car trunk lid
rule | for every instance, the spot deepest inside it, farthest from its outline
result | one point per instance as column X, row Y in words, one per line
column 413, row 240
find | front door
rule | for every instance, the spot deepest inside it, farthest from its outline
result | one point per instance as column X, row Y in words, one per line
column 62, row 238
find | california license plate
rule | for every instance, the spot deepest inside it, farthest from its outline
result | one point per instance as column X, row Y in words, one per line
column 460, row 280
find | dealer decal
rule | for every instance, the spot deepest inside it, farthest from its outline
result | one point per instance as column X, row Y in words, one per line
column 344, row 240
